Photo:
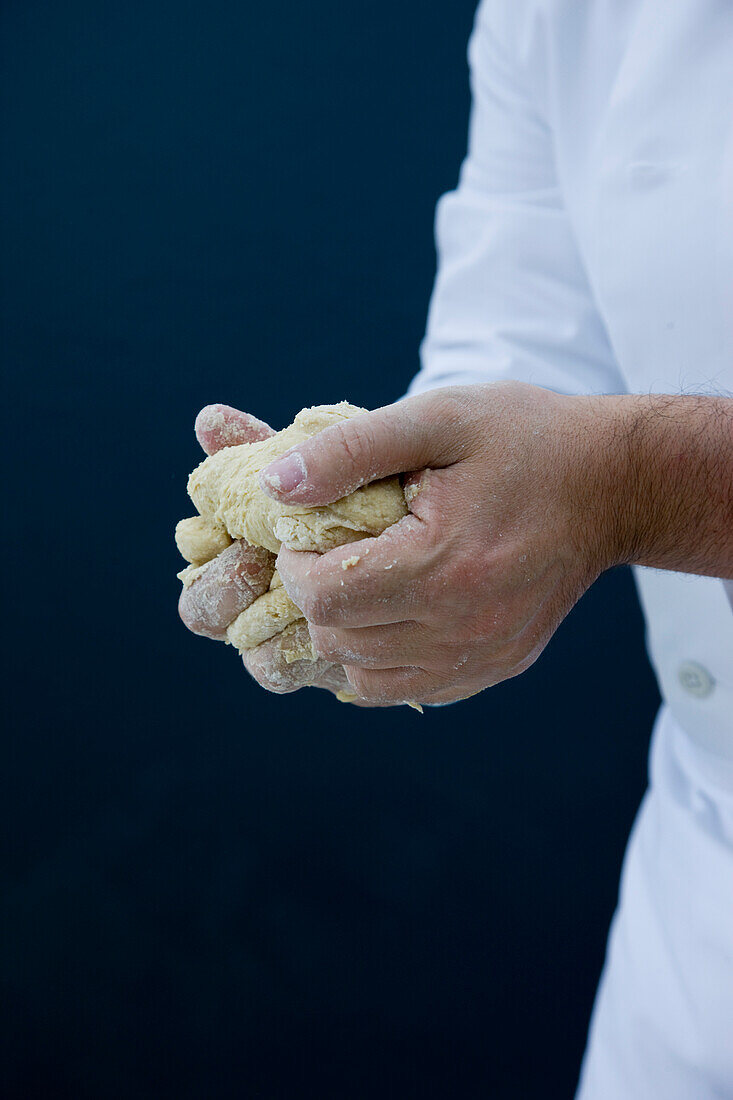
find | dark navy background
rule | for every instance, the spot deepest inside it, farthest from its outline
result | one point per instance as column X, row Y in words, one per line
column 233, row 202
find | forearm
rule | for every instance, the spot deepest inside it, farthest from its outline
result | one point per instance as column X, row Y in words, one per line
column 665, row 468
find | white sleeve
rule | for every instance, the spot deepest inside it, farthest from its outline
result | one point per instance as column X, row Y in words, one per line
column 511, row 299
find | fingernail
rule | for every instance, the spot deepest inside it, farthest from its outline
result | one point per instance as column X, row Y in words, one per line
column 284, row 475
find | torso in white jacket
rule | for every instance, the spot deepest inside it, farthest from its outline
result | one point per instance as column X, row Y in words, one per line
column 588, row 247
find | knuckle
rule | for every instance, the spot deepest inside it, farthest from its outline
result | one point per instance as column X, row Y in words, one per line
column 449, row 406
column 318, row 608
column 313, row 609
column 509, row 662
column 324, row 643
column 465, row 580
column 459, row 571
column 454, row 409
column 483, row 605
column 486, row 627
column 347, row 647
column 270, row 671
column 364, row 683
column 308, row 603
column 355, row 441
column 458, row 594
column 183, row 609
column 212, row 602
column 375, row 687
column 497, row 625
column 191, row 616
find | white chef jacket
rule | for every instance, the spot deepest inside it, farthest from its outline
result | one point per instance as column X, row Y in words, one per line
column 588, row 247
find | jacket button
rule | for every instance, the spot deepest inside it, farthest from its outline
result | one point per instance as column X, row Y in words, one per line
column 695, row 679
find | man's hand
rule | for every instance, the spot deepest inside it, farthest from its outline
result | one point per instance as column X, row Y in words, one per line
column 526, row 498
column 231, row 582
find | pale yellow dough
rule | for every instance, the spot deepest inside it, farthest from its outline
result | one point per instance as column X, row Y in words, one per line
column 199, row 540
column 262, row 620
column 226, row 491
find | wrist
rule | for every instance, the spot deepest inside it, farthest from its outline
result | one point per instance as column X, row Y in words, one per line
column 662, row 473
column 605, row 490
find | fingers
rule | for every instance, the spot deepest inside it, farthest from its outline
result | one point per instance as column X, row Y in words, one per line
column 271, row 667
column 225, row 587
column 220, row 426
column 404, row 662
column 364, row 583
column 199, row 540
column 395, row 685
column 268, row 665
column 390, row 687
column 425, row 430
column 381, row 647
column 440, row 670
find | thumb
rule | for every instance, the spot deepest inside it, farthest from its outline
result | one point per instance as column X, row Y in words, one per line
column 409, row 435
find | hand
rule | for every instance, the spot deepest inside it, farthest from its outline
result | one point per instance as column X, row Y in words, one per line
column 233, row 580
column 504, row 535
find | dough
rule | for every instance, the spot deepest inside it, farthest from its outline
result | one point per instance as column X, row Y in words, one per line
column 267, row 616
column 226, row 491
column 199, row 541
